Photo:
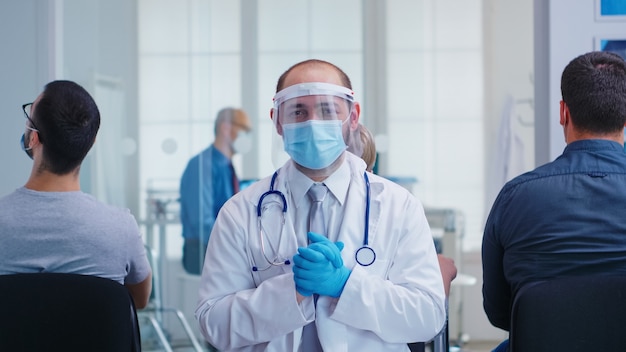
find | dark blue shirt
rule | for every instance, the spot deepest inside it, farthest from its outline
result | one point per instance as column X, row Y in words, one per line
column 206, row 185
column 565, row 218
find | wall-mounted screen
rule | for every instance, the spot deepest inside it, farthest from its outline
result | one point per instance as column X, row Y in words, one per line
column 617, row 46
column 611, row 10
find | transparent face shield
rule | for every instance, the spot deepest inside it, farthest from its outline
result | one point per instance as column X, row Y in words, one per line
column 314, row 123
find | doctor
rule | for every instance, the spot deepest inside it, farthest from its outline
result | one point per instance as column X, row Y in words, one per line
column 371, row 282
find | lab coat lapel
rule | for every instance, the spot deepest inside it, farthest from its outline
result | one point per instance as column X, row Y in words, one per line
column 376, row 189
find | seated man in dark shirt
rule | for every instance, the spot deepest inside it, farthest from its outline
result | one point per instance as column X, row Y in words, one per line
column 565, row 218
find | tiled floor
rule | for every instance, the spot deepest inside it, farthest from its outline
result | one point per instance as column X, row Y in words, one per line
column 470, row 346
column 479, row 346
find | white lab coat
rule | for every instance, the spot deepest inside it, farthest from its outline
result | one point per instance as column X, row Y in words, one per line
column 398, row 299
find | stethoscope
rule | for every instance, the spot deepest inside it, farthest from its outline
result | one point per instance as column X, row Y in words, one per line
column 365, row 255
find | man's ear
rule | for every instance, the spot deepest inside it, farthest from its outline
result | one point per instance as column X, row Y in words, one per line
column 33, row 138
column 355, row 114
column 563, row 113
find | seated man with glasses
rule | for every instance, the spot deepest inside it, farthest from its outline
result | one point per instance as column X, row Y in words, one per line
column 49, row 224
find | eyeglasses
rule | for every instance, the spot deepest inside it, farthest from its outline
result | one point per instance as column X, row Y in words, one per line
column 26, row 108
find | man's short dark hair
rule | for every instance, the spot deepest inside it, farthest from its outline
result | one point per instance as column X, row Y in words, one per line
column 68, row 121
column 593, row 86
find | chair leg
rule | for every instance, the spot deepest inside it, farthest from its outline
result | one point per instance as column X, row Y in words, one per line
column 160, row 334
column 188, row 331
column 441, row 342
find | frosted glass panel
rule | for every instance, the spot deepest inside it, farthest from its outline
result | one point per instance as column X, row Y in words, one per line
column 311, row 26
column 266, row 131
column 225, row 81
column 271, row 66
column 109, row 147
column 215, row 83
column 409, row 149
column 164, row 88
column 161, row 164
column 458, row 84
column 200, row 25
column 435, row 102
column 225, row 22
column 458, row 24
column 173, row 26
column 406, row 24
column 200, row 90
column 201, row 136
column 409, row 86
column 336, row 25
column 284, row 25
column 163, row 26
column 458, row 148
column 171, row 146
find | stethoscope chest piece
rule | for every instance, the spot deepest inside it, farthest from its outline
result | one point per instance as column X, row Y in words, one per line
column 365, row 256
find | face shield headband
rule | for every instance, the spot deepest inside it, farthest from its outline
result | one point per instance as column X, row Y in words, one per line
column 308, row 89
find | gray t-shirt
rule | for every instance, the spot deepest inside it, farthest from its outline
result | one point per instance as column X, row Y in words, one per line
column 69, row 232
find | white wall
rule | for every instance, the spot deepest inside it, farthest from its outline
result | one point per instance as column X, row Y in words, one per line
column 571, row 35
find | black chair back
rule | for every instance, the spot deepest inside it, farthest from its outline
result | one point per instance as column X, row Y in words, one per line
column 586, row 313
column 66, row 312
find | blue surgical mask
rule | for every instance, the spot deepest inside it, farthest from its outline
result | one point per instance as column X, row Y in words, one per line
column 25, row 147
column 314, row 144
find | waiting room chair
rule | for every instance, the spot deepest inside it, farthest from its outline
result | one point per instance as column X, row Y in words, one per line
column 66, row 312
column 586, row 313
column 440, row 343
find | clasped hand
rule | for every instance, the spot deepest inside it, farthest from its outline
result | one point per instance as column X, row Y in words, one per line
column 319, row 267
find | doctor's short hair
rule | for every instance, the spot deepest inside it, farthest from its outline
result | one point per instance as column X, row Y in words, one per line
column 345, row 80
column 68, row 120
column 593, row 86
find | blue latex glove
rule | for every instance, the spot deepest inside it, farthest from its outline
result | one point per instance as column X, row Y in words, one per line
column 319, row 267
column 322, row 244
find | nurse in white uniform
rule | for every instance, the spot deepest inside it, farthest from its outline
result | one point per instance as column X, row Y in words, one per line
column 370, row 283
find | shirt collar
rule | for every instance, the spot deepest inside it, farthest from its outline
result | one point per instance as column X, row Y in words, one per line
column 594, row 144
column 337, row 183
